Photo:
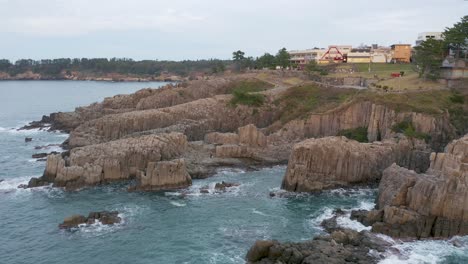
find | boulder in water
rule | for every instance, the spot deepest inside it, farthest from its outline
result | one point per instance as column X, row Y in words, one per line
column 105, row 217
column 28, row 139
column 221, row 186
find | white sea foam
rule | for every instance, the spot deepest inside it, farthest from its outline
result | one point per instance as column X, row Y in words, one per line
column 178, row 204
column 346, row 222
column 255, row 211
column 323, row 214
column 425, row 252
column 12, row 184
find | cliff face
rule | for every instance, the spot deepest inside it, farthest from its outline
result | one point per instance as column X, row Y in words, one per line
column 194, row 119
column 166, row 96
column 331, row 162
column 433, row 204
column 115, row 160
column 378, row 119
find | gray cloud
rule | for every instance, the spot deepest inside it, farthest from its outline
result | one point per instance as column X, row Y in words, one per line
column 181, row 29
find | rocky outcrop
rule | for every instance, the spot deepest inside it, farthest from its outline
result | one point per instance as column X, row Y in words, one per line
column 433, row 204
column 164, row 175
column 144, row 99
column 194, row 119
column 104, row 217
column 112, row 161
column 331, row 162
column 379, row 119
column 341, row 246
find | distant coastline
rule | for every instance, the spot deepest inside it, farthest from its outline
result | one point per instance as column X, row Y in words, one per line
column 111, row 77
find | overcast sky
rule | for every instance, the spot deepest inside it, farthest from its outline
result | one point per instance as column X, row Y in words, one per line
column 195, row 29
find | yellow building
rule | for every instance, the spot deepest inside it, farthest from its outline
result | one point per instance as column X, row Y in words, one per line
column 401, row 53
column 359, row 56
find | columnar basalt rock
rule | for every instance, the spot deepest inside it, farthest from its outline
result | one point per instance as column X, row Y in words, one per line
column 434, row 204
column 194, row 119
column 144, row 99
column 164, row 175
column 331, row 162
column 111, row 161
column 379, row 119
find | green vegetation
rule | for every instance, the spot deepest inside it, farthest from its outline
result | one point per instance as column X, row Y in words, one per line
column 299, row 101
column 408, row 130
column 246, row 92
column 429, row 56
column 359, row 134
column 456, row 36
column 54, row 68
column 312, row 67
column 265, row 61
column 457, row 98
column 246, row 98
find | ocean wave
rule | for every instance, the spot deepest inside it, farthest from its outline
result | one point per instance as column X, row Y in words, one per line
column 426, row 251
column 178, row 204
column 12, row 184
column 321, row 215
column 98, row 228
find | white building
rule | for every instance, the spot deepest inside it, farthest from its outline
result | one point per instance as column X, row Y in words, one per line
column 429, row 35
column 302, row 57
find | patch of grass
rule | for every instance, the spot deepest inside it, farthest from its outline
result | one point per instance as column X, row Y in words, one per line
column 409, row 131
column 457, row 98
column 245, row 92
column 250, row 85
column 428, row 102
column 246, row 98
column 359, row 134
column 300, row 101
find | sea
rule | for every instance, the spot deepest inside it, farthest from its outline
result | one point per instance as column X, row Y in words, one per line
column 183, row 226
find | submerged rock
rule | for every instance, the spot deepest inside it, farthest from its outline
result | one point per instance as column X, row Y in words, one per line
column 43, row 155
column 332, row 162
column 28, row 139
column 221, row 186
column 104, row 217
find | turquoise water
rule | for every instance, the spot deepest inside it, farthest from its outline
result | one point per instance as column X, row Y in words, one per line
column 168, row 227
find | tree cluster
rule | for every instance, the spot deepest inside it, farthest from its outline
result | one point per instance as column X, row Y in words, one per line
column 430, row 53
column 57, row 67
column 267, row 60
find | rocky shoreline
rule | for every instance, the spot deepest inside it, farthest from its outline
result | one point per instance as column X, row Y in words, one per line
column 165, row 138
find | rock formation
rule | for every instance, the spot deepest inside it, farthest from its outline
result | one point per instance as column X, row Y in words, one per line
column 341, row 246
column 331, row 162
column 434, row 204
column 115, row 160
column 104, row 217
column 164, row 175
column 144, row 99
column 379, row 119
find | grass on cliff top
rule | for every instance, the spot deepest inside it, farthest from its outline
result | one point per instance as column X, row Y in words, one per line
column 434, row 102
column 300, row 101
column 359, row 134
column 245, row 92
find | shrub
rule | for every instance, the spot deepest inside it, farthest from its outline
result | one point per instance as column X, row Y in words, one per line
column 359, row 134
column 457, row 98
column 409, row 131
column 246, row 98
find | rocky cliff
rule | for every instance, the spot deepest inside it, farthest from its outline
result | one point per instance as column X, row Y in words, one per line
column 194, row 119
column 331, row 162
column 166, row 96
column 433, row 204
column 379, row 120
column 119, row 160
